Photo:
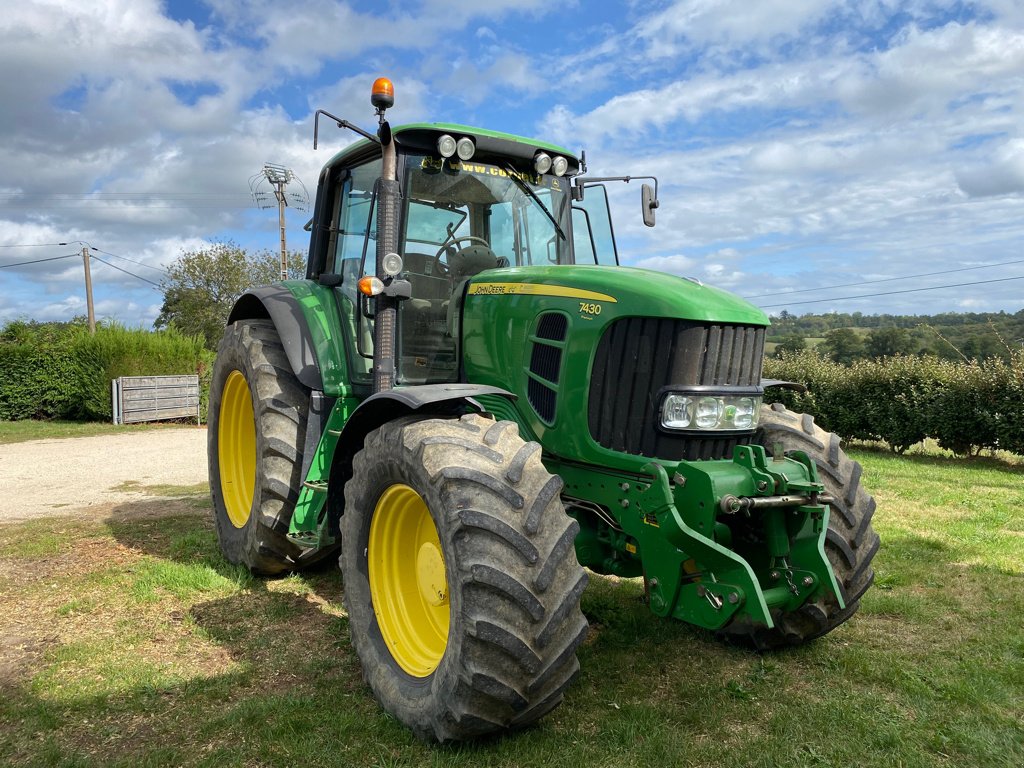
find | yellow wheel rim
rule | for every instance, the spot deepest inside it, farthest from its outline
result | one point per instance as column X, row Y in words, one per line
column 408, row 585
column 236, row 449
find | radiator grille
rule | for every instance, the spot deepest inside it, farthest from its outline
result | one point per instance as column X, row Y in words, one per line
column 637, row 357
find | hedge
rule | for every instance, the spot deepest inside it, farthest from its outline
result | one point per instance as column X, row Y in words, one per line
column 61, row 371
column 965, row 406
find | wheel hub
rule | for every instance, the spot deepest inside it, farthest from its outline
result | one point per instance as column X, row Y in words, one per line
column 430, row 574
column 408, row 582
column 236, row 445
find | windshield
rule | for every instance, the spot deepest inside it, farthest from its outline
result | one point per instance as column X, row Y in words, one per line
column 461, row 219
column 520, row 218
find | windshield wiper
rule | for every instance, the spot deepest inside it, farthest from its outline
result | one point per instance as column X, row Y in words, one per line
column 514, row 175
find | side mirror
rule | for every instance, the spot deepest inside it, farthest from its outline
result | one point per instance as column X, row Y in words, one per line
column 650, row 202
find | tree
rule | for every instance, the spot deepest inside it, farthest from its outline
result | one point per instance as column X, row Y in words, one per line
column 790, row 344
column 887, row 342
column 202, row 285
column 843, row 345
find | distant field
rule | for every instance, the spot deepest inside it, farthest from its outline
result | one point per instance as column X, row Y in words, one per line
column 130, row 641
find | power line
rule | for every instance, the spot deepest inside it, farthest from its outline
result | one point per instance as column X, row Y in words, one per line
column 133, row 261
column 38, row 261
column 892, row 293
column 114, row 266
column 884, row 280
column 32, row 245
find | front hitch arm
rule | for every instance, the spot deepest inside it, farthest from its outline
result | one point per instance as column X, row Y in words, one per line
column 712, row 597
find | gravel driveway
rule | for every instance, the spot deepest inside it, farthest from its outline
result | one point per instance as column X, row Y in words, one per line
column 67, row 476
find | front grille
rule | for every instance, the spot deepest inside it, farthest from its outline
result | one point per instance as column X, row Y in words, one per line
column 639, row 356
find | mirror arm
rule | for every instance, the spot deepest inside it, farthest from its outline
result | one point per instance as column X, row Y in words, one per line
column 341, row 124
column 579, row 183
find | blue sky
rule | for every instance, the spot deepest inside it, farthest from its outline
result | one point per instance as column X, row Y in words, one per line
column 800, row 144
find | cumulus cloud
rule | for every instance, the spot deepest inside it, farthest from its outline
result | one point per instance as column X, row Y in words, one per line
column 1000, row 172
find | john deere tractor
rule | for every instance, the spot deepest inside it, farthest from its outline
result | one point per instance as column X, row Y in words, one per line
column 471, row 400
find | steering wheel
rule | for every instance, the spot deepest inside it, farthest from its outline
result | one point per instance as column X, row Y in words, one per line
column 441, row 268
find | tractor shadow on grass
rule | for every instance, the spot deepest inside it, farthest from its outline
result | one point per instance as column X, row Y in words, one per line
column 282, row 632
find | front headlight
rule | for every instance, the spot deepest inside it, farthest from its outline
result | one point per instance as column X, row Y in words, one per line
column 710, row 411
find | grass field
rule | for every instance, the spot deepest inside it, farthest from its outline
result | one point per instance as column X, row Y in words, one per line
column 130, row 642
column 33, row 429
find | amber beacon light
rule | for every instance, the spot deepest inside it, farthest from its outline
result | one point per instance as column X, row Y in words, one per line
column 382, row 96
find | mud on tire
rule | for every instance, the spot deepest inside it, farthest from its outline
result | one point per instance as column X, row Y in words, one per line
column 253, row 349
column 513, row 581
column 850, row 541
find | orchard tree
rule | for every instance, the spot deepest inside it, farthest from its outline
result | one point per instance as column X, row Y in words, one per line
column 202, row 285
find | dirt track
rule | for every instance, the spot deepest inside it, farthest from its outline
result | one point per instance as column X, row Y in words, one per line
column 71, row 475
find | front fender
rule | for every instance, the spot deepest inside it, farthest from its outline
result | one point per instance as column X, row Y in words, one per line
column 430, row 399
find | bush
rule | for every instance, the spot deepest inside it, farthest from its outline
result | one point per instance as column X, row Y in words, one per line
column 61, row 371
column 965, row 406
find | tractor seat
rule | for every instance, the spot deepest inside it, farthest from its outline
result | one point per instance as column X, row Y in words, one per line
column 467, row 261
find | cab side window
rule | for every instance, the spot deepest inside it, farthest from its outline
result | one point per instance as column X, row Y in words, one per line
column 353, row 233
column 353, row 219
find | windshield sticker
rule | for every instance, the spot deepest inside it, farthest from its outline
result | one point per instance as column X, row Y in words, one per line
column 537, row 289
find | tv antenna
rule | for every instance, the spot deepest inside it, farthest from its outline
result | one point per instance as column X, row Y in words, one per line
column 278, row 177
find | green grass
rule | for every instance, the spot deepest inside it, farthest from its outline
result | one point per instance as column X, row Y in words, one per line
column 132, row 642
column 30, row 429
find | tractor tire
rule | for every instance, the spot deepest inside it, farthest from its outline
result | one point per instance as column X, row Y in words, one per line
column 461, row 580
column 256, row 431
column 850, row 541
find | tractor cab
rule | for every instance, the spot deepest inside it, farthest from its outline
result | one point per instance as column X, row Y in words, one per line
column 469, row 202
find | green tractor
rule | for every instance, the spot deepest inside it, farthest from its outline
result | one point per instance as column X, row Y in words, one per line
column 474, row 403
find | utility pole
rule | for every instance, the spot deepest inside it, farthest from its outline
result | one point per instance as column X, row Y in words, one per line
column 88, row 290
column 279, row 177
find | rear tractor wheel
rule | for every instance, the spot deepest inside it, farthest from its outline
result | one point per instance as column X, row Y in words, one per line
column 850, row 541
column 461, row 580
column 256, row 430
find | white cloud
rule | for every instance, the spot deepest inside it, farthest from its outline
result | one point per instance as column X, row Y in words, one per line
column 1000, row 172
column 733, row 22
column 676, row 264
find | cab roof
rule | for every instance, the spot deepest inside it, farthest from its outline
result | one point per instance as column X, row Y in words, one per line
column 489, row 144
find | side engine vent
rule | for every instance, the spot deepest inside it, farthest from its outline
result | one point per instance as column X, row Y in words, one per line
column 545, row 361
column 546, row 364
column 552, row 325
column 542, row 399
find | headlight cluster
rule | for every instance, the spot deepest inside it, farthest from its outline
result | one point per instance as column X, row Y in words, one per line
column 699, row 411
column 448, row 146
column 543, row 162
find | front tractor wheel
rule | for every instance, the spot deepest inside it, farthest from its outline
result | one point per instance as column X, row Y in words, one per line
column 850, row 541
column 461, row 580
column 256, row 429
